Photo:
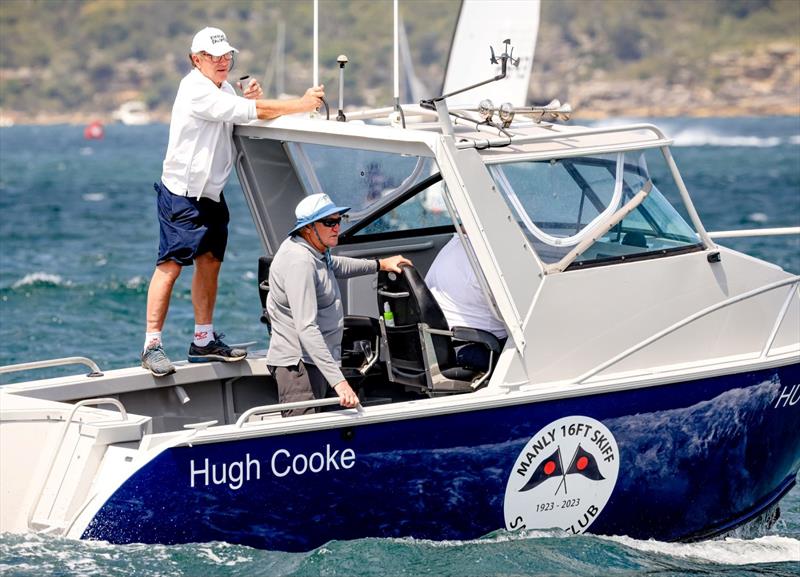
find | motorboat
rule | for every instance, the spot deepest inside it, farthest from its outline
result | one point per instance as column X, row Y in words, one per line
column 649, row 386
column 132, row 113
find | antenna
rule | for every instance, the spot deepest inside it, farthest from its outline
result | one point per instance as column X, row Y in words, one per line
column 504, row 59
column 316, row 43
column 342, row 60
column 397, row 64
column 396, row 58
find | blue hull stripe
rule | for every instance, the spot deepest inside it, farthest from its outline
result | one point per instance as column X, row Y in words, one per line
column 695, row 458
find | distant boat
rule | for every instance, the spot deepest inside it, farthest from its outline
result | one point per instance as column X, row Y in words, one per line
column 132, row 113
column 94, row 131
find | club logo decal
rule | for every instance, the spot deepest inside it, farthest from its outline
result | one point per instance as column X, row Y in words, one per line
column 563, row 477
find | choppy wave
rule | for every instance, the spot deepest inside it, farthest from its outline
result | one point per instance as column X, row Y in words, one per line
column 758, row 217
column 770, row 549
column 46, row 279
column 41, row 279
column 697, row 133
column 539, row 553
column 707, row 137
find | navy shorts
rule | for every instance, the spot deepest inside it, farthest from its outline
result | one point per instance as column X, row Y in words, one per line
column 190, row 227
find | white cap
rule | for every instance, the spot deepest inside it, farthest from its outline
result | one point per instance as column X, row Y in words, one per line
column 213, row 41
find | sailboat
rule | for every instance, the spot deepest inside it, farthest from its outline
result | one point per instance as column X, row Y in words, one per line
column 481, row 24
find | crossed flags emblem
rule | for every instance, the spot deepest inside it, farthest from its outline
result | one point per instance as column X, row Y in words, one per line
column 582, row 463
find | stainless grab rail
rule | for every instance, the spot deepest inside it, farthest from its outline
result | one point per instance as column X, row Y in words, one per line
column 284, row 407
column 793, row 280
column 483, row 143
column 96, row 372
column 745, row 233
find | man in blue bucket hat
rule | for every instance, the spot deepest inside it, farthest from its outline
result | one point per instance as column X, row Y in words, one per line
column 305, row 306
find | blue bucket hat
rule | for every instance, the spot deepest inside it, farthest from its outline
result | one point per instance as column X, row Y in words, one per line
column 313, row 208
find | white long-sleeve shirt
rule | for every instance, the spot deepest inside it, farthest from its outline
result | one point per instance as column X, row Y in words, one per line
column 199, row 155
column 458, row 291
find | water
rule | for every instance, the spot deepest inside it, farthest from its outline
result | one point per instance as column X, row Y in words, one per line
column 78, row 238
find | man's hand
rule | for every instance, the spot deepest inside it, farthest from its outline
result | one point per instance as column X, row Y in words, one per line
column 253, row 90
column 347, row 398
column 311, row 100
column 393, row 263
column 313, row 97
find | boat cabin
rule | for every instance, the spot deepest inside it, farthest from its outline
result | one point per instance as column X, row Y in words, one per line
column 563, row 225
column 584, row 240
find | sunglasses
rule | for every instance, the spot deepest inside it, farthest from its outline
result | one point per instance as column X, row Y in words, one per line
column 330, row 222
column 215, row 59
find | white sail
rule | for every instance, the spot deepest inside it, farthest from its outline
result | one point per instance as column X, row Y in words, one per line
column 484, row 23
column 412, row 88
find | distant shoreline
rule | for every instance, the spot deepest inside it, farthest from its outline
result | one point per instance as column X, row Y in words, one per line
column 619, row 111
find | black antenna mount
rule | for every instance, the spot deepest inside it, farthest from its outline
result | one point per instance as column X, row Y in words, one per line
column 503, row 60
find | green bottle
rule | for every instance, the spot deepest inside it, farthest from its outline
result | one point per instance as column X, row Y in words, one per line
column 388, row 317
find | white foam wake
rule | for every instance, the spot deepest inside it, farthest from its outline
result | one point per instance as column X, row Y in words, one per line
column 40, row 278
column 705, row 137
column 769, row 549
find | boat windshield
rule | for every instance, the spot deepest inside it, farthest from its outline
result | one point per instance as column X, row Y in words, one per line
column 559, row 203
column 369, row 181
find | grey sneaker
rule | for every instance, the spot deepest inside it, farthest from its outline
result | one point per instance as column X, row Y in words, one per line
column 216, row 350
column 155, row 360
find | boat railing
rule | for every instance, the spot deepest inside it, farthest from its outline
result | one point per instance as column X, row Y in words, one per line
column 504, row 138
column 266, row 409
column 602, row 228
column 794, row 281
column 755, row 232
column 96, row 372
column 86, row 402
column 661, row 138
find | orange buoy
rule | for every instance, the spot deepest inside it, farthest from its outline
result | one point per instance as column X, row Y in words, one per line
column 94, row 131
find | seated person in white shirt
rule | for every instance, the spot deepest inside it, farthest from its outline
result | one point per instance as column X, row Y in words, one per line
column 455, row 287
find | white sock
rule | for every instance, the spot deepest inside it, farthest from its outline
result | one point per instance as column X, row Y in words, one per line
column 203, row 334
column 151, row 338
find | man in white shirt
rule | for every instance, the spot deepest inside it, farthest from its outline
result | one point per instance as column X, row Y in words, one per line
column 455, row 287
column 192, row 212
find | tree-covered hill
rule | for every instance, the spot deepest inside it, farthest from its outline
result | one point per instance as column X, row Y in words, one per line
column 75, row 59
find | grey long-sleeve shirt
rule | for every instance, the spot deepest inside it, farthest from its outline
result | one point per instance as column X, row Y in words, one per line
column 305, row 306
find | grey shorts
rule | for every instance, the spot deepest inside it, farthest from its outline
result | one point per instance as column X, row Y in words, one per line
column 300, row 382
